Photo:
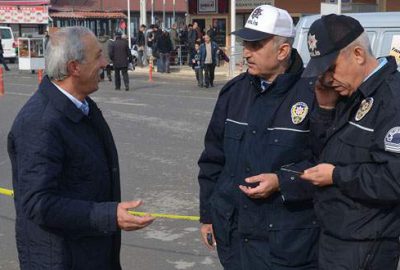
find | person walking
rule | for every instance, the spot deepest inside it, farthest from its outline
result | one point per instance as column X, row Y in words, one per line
column 2, row 61
column 120, row 55
column 164, row 47
column 141, row 42
column 208, row 57
column 65, row 167
column 254, row 208
column 358, row 175
column 105, row 43
column 196, row 65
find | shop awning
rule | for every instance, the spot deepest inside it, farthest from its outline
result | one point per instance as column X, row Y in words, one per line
column 87, row 15
column 24, row 2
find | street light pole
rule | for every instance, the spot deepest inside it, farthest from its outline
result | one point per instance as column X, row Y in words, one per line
column 152, row 11
column 129, row 23
column 173, row 10
column 163, row 14
column 232, row 62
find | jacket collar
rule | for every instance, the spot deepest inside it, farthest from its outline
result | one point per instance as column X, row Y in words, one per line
column 284, row 81
column 368, row 87
column 60, row 101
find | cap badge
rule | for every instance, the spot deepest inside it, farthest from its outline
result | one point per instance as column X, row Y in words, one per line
column 254, row 16
column 312, row 45
column 392, row 140
column 299, row 112
column 364, row 108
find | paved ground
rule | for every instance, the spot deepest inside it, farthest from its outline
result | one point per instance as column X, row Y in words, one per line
column 158, row 129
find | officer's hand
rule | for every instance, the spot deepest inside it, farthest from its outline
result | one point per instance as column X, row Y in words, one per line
column 128, row 222
column 267, row 184
column 206, row 231
column 326, row 95
column 320, row 175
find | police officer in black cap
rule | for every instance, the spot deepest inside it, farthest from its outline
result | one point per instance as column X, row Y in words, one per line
column 253, row 206
column 359, row 171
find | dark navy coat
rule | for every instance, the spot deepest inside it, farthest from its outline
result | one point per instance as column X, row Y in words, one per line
column 363, row 142
column 66, row 185
column 250, row 133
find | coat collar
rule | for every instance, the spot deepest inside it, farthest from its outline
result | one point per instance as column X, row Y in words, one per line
column 60, row 101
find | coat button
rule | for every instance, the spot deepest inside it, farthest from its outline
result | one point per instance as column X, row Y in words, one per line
column 292, row 178
column 247, row 169
column 271, row 225
column 246, row 240
column 276, row 140
column 254, row 132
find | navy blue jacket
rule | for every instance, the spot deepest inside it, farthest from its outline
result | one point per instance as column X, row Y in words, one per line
column 214, row 52
column 364, row 146
column 66, row 184
column 250, row 133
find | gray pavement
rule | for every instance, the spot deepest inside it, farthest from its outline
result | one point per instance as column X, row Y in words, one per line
column 158, row 129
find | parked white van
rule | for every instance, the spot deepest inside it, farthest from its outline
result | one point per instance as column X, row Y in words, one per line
column 8, row 42
column 382, row 29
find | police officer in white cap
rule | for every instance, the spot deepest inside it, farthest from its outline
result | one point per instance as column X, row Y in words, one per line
column 254, row 208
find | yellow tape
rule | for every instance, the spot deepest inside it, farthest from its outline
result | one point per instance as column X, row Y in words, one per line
column 9, row 192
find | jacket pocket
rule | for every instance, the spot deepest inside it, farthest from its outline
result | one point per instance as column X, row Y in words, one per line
column 233, row 136
column 294, row 247
column 356, row 143
column 222, row 221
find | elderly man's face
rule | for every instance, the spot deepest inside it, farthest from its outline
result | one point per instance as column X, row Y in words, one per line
column 90, row 68
column 262, row 58
column 344, row 76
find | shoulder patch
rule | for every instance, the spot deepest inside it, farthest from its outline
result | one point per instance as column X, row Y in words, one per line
column 299, row 112
column 392, row 140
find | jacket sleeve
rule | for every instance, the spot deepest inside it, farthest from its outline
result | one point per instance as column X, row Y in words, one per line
column 292, row 187
column 377, row 181
column 39, row 156
column 212, row 159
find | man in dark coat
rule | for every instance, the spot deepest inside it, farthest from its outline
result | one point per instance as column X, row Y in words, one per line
column 120, row 55
column 253, row 206
column 358, row 199
column 2, row 61
column 65, row 166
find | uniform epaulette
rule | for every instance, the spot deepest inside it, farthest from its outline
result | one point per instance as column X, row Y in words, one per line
column 228, row 85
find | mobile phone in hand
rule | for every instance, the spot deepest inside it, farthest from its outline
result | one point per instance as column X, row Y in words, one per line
column 291, row 171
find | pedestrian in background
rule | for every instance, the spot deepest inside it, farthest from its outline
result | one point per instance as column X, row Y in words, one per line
column 358, row 178
column 120, row 55
column 209, row 57
column 65, row 166
column 2, row 61
column 196, row 65
column 141, row 42
column 253, row 207
column 105, row 43
column 164, row 48
column 191, row 40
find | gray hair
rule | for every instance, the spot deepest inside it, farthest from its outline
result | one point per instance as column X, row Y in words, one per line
column 279, row 40
column 64, row 46
column 362, row 41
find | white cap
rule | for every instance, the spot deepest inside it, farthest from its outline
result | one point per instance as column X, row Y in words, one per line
column 265, row 21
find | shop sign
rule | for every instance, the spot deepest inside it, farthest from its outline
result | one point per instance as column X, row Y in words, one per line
column 207, row 6
column 252, row 4
column 24, row 15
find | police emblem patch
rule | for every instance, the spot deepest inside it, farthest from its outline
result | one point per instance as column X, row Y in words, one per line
column 299, row 112
column 392, row 140
column 364, row 108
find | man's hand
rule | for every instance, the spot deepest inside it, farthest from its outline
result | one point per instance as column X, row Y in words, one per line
column 326, row 95
column 205, row 230
column 268, row 183
column 320, row 175
column 128, row 222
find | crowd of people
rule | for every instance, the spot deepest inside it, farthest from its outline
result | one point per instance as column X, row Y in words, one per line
column 300, row 168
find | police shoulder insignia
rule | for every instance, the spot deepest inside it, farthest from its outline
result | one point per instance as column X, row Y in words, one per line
column 392, row 140
column 364, row 108
column 299, row 112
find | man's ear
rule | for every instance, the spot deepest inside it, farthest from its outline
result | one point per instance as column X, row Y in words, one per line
column 360, row 55
column 284, row 51
column 73, row 68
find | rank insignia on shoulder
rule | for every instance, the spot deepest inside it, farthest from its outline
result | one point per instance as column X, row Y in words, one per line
column 364, row 108
column 392, row 140
column 299, row 112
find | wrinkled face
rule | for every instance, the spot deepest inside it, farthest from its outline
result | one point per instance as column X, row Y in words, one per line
column 207, row 38
column 91, row 67
column 262, row 57
column 342, row 76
